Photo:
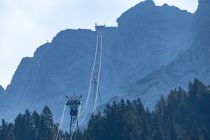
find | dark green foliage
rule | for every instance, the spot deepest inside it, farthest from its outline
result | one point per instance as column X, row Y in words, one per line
column 6, row 131
column 182, row 116
column 47, row 128
column 31, row 126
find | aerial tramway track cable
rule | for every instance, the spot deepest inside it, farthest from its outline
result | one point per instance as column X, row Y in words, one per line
column 99, row 72
column 84, row 111
column 61, row 122
column 99, row 46
column 99, row 34
column 91, row 77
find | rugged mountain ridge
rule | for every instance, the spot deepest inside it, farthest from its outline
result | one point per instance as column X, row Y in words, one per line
column 194, row 63
column 1, row 90
column 147, row 37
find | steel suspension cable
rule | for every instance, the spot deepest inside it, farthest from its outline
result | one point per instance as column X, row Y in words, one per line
column 91, row 78
column 61, row 122
column 98, row 78
column 99, row 72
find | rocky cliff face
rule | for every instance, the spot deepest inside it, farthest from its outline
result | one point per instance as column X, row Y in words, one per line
column 194, row 63
column 147, row 37
column 1, row 90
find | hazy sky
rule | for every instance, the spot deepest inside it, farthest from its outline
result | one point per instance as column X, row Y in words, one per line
column 27, row 24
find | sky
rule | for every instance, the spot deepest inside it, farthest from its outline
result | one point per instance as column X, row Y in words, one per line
column 27, row 24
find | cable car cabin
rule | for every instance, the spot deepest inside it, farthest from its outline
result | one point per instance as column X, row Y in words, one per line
column 99, row 27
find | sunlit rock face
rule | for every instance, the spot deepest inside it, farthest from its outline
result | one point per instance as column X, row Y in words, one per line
column 147, row 37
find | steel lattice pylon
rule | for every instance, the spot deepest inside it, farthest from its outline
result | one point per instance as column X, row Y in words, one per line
column 74, row 103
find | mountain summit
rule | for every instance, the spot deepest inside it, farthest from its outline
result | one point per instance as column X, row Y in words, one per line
column 147, row 37
column 1, row 90
column 193, row 63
